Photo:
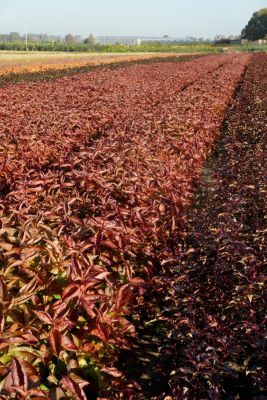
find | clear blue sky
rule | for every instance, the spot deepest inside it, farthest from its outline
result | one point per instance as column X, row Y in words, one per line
column 178, row 18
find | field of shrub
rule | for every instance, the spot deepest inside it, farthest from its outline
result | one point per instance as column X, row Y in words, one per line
column 17, row 62
column 215, row 286
column 98, row 171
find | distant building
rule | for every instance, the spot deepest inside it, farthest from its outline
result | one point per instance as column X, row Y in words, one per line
column 235, row 42
column 259, row 41
column 135, row 40
column 125, row 40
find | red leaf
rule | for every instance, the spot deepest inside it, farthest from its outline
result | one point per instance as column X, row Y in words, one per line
column 73, row 387
column 88, row 307
column 62, row 311
column 71, row 292
column 31, row 372
column 75, row 270
column 124, row 296
column 101, row 332
column 55, row 341
column 17, row 377
column 98, row 240
column 68, row 344
column 137, row 282
column 44, row 317
column 112, row 372
column 2, row 318
column 102, row 275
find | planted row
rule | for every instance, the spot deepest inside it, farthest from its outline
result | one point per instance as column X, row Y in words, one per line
column 20, row 63
column 85, row 223
column 41, row 122
column 219, row 302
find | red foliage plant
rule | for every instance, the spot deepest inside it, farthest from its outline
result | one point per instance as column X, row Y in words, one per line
column 96, row 171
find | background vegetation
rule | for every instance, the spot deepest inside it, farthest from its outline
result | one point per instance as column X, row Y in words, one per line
column 97, row 48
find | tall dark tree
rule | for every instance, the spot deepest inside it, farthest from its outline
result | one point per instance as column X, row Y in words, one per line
column 257, row 26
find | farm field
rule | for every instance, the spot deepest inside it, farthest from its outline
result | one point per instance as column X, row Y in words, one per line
column 12, row 62
column 129, row 197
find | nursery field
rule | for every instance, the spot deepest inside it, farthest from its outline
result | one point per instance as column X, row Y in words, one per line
column 134, row 200
column 12, row 62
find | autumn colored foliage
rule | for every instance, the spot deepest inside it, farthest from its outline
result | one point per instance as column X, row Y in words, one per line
column 96, row 174
column 34, row 62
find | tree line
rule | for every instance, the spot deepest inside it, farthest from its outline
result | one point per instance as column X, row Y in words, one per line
column 15, row 37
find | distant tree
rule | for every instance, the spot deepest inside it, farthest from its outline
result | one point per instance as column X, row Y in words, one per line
column 90, row 40
column 78, row 39
column 44, row 37
column 223, row 41
column 257, row 26
column 219, row 39
column 70, row 39
column 33, row 38
column 4, row 38
column 15, row 37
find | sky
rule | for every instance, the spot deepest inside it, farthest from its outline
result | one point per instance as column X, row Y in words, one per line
column 176, row 18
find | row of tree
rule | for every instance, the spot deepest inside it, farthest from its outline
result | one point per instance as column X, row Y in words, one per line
column 223, row 40
column 71, row 39
column 15, row 37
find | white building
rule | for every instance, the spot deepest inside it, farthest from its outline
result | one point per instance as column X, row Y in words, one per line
column 126, row 40
column 133, row 40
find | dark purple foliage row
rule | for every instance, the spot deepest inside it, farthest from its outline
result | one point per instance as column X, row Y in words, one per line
column 216, row 284
column 96, row 172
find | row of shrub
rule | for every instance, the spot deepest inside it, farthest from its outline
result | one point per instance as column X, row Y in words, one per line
column 117, row 48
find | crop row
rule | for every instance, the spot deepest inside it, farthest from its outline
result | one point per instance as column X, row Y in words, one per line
column 19, row 63
column 50, row 120
column 219, row 303
column 96, row 173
